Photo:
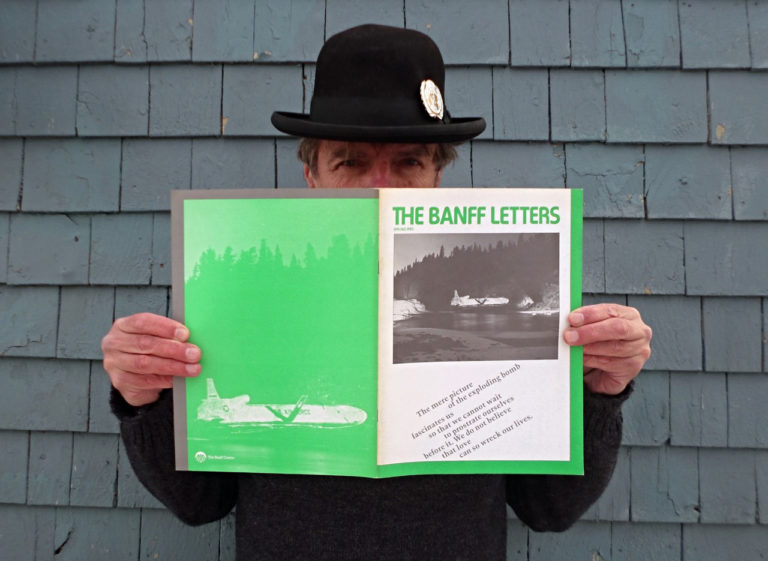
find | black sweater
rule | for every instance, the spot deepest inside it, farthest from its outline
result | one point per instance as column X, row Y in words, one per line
column 297, row 517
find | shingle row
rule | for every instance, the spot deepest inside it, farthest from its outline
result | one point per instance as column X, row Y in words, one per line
column 584, row 33
column 697, row 409
column 619, row 181
column 715, row 334
column 121, row 534
column 615, row 106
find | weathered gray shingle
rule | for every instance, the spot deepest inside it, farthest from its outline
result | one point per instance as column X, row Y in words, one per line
column 644, row 257
column 97, row 534
column 715, row 542
column 17, row 31
column 699, row 410
column 649, row 542
column 27, row 532
column 185, row 100
column 223, row 163
column 521, row 104
column 85, row 316
column 469, row 93
column 45, row 100
column 71, row 175
column 223, row 31
column 749, row 170
column 94, row 470
column 728, row 491
column 611, row 176
column 677, row 336
column 43, row 394
column 342, row 14
column 593, row 277
column 652, row 33
column 4, row 239
column 161, row 249
column 113, row 101
column 597, row 33
column 577, row 105
column 459, row 44
column 688, row 182
column 288, row 31
column 29, row 321
column 726, row 258
column 11, row 151
column 121, row 249
column 729, row 94
column 656, row 106
column 50, row 468
column 79, row 31
column 665, row 485
column 647, row 414
column 757, row 14
column 583, row 540
column 49, row 249
column 507, row 164
column 714, row 34
column 193, row 544
column 539, row 33
column 252, row 93
column 732, row 334
column 151, row 169
column 13, row 467
column 747, row 413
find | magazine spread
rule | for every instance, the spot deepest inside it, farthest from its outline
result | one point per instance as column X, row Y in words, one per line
column 379, row 333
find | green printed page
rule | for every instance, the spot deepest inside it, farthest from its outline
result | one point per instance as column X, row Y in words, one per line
column 281, row 295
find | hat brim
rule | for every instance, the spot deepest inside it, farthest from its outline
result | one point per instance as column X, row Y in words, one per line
column 458, row 130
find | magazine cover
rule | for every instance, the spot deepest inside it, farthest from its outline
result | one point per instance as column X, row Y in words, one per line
column 379, row 333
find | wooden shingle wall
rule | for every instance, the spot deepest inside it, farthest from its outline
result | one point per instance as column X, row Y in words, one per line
column 657, row 109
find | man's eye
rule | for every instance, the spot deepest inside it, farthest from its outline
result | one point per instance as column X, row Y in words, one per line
column 412, row 162
column 349, row 163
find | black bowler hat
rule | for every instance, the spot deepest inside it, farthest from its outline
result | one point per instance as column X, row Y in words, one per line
column 375, row 83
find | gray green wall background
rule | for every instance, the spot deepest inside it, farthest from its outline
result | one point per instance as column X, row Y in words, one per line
column 657, row 109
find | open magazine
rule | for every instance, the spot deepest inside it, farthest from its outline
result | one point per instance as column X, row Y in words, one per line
column 379, row 333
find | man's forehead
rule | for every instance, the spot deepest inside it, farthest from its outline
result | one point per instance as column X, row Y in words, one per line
column 340, row 148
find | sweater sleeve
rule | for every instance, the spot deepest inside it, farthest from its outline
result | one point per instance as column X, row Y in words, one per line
column 554, row 502
column 147, row 433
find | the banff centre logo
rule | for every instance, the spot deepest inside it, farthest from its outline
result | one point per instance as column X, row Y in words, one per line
column 201, row 456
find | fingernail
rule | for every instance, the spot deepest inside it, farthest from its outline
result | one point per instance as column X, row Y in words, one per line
column 571, row 337
column 577, row 319
column 192, row 353
column 193, row 369
column 181, row 333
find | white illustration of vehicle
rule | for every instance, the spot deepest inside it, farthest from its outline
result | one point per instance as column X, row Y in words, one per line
column 238, row 411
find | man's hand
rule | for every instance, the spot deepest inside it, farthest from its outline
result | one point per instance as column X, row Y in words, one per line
column 616, row 345
column 142, row 354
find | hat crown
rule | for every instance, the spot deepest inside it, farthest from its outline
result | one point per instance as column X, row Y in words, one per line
column 375, row 83
column 371, row 75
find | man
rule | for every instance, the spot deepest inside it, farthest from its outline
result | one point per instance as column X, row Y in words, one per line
column 377, row 120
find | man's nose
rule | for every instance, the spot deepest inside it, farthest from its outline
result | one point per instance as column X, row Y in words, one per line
column 380, row 175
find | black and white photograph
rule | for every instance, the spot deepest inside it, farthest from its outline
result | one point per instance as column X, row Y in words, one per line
column 476, row 297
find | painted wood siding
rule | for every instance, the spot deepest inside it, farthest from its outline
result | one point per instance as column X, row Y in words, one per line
column 657, row 109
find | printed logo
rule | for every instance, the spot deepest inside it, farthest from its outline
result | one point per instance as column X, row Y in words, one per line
column 201, row 457
column 432, row 99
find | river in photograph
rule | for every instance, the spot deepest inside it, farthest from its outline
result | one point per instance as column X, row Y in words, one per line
column 474, row 336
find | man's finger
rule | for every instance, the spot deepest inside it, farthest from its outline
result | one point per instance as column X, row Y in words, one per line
column 144, row 365
column 611, row 329
column 119, row 341
column 599, row 312
column 151, row 324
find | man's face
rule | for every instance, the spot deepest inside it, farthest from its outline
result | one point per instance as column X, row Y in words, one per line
column 364, row 164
